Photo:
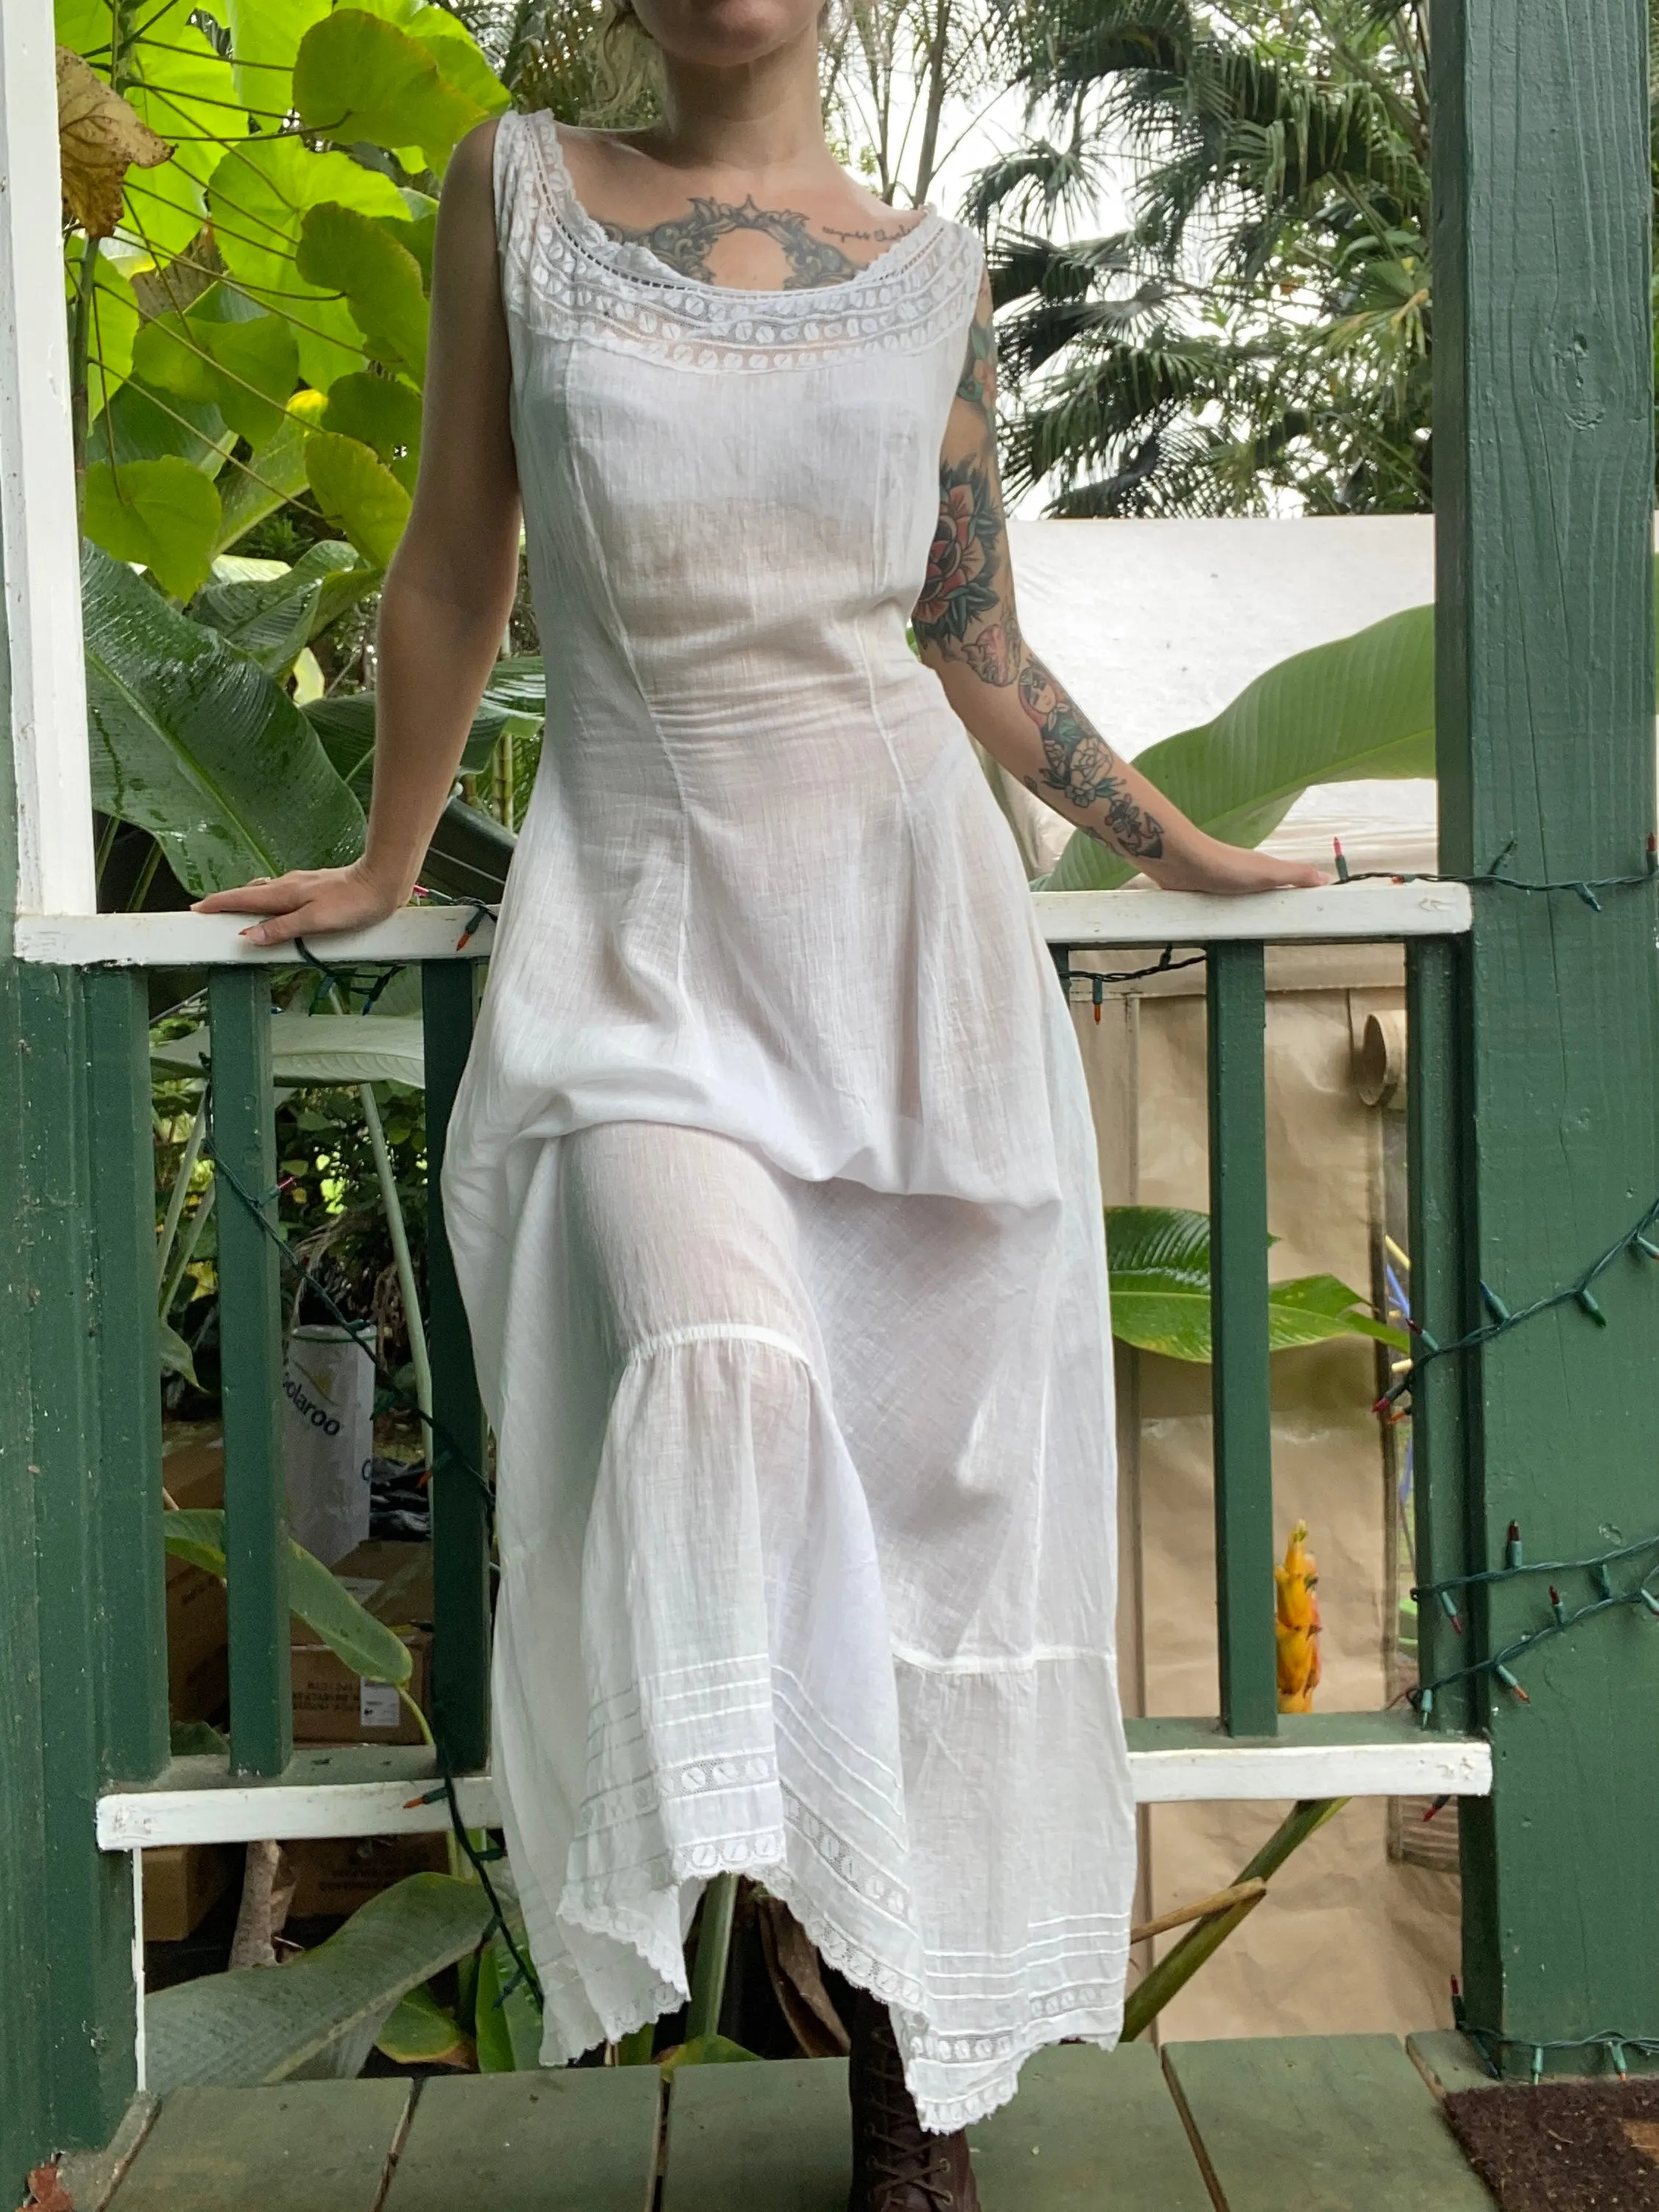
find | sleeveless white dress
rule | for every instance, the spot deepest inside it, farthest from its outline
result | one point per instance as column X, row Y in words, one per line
column 772, row 1188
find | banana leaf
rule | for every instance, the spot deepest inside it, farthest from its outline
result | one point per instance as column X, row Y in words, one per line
column 193, row 742
column 345, row 724
column 321, row 1049
column 1159, row 1261
column 506, row 2024
column 1359, row 706
column 367, row 1646
column 271, row 616
column 420, row 2032
column 316, row 2018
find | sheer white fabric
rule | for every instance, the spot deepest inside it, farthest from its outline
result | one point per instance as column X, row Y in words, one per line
column 773, row 1193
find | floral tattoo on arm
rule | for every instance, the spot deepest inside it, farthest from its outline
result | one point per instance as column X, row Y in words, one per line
column 965, row 614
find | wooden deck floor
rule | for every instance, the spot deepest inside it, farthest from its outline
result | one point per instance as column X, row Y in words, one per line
column 1324, row 2124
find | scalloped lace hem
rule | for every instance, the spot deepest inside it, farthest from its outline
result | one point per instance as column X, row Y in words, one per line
column 1090, row 2011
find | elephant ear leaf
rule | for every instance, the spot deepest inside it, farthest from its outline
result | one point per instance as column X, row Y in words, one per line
column 1359, row 706
column 163, row 514
column 356, row 77
column 352, row 254
column 355, row 490
column 194, row 742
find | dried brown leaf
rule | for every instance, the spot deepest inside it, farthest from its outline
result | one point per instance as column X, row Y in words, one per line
column 100, row 138
column 47, row 2192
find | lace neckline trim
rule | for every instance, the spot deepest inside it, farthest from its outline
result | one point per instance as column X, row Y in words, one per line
column 638, row 261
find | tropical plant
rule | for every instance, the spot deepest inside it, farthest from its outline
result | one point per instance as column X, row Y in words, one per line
column 1159, row 1262
column 1296, row 1624
column 1261, row 335
column 249, row 207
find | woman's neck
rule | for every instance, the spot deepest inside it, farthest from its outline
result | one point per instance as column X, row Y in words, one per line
column 762, row 117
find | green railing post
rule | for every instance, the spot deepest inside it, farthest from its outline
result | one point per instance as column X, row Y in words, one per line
column 1544, row 494
column 133, row 1612
column 1239, row 1381
column 70, row 1520
column 460, row 1509
column 251, row 1368
column 1436, row 1133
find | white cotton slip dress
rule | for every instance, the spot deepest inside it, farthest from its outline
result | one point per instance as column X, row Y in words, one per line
column 772, row 1188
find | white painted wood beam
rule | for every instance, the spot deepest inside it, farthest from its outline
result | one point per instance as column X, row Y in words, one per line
column 1414, row 1764
column 1351, row 913
column 39, row 541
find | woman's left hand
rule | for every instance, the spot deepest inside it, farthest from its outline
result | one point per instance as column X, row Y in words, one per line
column 1207, row 864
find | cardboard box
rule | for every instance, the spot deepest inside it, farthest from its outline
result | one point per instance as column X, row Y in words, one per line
column 336, row 1874
column 333, row 1705
column 199, row 1660
column 392, row 1580
column 182, row 1883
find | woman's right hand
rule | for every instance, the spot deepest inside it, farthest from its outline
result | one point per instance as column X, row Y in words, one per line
column 308, row 902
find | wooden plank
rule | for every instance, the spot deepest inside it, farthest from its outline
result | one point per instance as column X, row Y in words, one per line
column 1327, row 2123
column 581, row 2139
column 1448, row 2061
column 251, row 1366
column 1438, row 1138
column 1543, row 466
column 1354, row 914
column 1239, row 1390
column 299, row 2148
column 1089, row 2131
column 778, row 2132
column 460, row 1509
column 367, row 1790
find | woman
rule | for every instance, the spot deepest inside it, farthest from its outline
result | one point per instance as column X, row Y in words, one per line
column 771, row 1183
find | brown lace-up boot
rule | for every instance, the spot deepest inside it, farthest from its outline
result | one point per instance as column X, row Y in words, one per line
column 898, row 2166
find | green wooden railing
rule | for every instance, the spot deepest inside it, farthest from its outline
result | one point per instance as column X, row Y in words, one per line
column 251, row 1308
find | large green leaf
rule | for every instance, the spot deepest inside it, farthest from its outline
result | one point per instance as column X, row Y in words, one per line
column 258, row 196
column 345, row 724
column 344, row 250
column 192, row 741
column 420, row 2032
column 358, row 76
column 319, row 2014
column 1159, row 1258
column 367, row 1646
column 506, row 2025
column 248, row 499
column 1360, row 707
column 246, row 368
column 163, row 514
column 114, row 326
column 382, row 413
column 272, row 617
column 145, row 426
column 265, row 38
column 323, row 1049
column 357, row 493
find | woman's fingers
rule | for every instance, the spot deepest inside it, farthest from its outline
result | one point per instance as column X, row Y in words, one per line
column 264, row 894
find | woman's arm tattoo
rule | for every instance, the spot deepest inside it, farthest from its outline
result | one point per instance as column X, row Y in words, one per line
column 964, row 615
column 1083, row 768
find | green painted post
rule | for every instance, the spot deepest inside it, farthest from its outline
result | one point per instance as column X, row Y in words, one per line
column 1238, row 1323
column 133, row 1612
column 1544, row 476
column 460, row 1512
column 1436, row 1139
column 250, row 1367
column 82, row 2009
